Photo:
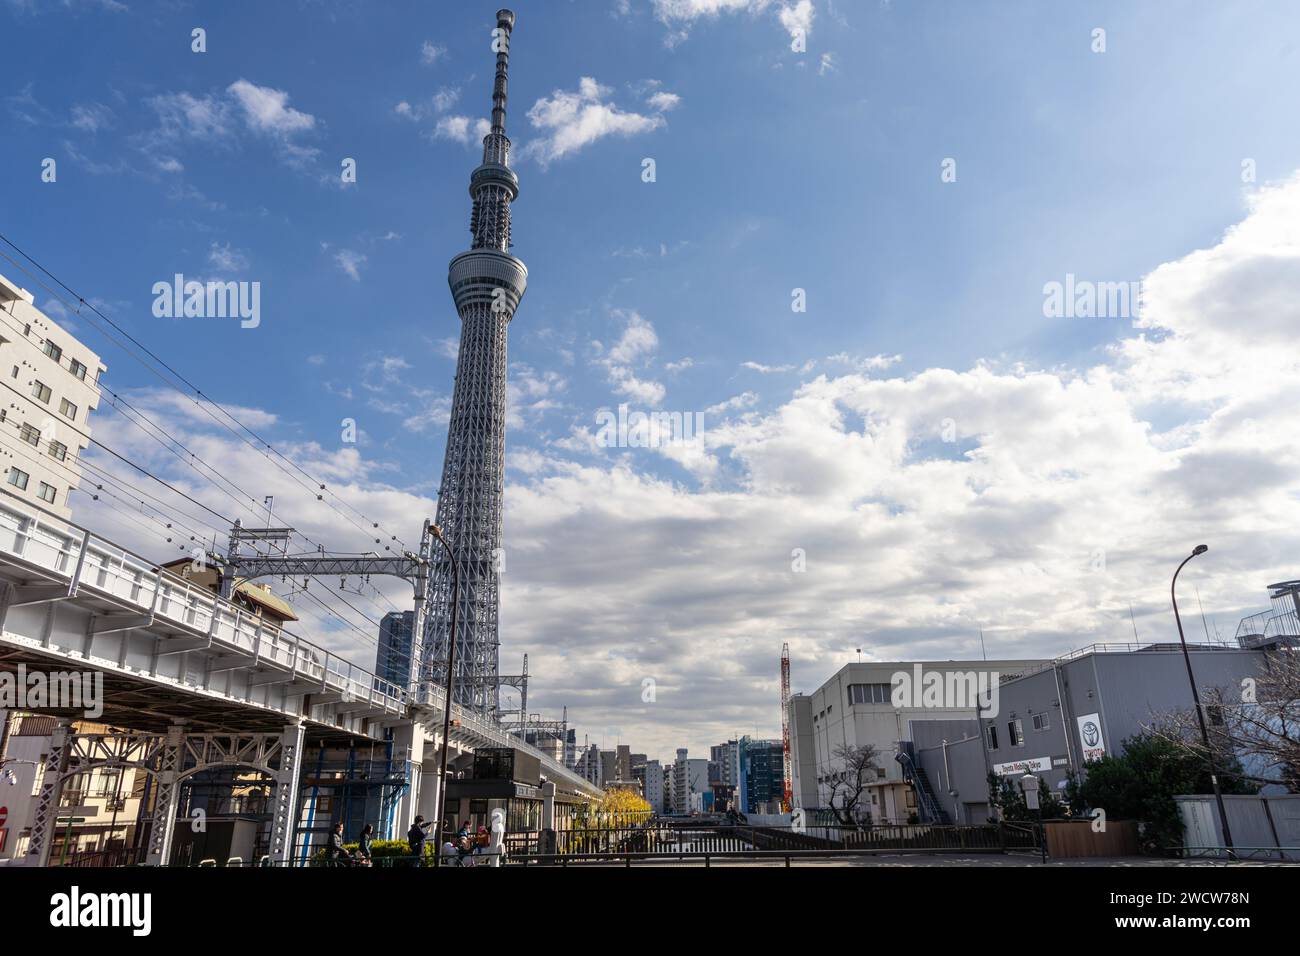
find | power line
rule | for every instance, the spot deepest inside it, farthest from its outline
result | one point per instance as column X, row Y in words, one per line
column 266, row 447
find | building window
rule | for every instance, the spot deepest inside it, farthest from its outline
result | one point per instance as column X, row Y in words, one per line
column 31, row 435
column 67, row 408
column 58, row 450
column 869, row 694
column 48, row 492
column 77, row 369
column 15, row 374
column 18, row 478
column 1015, row 733
column 993, row 737
column 53, row 351
column 41, row 391
column 1041, row 722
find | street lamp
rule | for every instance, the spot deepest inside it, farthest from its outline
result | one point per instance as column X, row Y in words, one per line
column 446, row 708
column 1200, row 715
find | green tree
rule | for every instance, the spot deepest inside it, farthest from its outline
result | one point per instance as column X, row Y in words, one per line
column 1141, row 782
column 1006, row 795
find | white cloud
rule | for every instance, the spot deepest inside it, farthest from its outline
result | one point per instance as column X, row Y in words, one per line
column 462, row 129
column 662, row 102
column 797, row 18
column 267, row 110
column 350, row 262
column 226, row 258
column 766, row 369
column 92, row 117
column 184, row 116
column 743, row 400
column 635, row 347
column 431, row 53
column 568, row 121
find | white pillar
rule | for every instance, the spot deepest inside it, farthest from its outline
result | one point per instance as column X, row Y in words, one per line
column 548, row 805
column 285, row 823
column 409, row 744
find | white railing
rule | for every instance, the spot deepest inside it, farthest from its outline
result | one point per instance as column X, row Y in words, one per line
column 57, row 546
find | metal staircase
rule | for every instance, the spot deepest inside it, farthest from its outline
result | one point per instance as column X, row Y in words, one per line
column 927, row 805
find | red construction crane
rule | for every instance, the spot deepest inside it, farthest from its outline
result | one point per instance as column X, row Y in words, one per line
column 787, row 767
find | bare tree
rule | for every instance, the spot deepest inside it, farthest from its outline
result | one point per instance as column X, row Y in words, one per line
column 1258, row 721
column 848, row 785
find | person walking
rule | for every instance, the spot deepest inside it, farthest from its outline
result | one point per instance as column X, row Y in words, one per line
column 335, row 855
column 363, row 845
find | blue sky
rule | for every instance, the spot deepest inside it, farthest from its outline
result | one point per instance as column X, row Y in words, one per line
column 776, row 170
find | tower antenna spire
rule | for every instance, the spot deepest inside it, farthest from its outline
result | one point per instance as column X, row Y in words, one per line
column 487, row 283
column 501, row 87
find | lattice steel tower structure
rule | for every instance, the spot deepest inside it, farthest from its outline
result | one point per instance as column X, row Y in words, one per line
column 487, row 283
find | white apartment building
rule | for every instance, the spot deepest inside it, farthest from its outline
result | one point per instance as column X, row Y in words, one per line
column 856, row 707
column 109, row 798
column 690, row 776
column 51, row 385
column 654, row 786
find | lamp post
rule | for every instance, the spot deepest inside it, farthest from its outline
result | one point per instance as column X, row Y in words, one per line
column 446, row 707
column 1200, row 714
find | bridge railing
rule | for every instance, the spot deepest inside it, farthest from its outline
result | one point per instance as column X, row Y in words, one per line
column 88, row 561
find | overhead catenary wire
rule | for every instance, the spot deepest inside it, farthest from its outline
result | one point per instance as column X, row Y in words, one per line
column 206, row 404
column 201, row 400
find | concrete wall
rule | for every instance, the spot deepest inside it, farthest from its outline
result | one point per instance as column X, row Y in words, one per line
column 952, row 756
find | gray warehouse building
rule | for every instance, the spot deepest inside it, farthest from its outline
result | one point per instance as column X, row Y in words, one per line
column 1058, row 717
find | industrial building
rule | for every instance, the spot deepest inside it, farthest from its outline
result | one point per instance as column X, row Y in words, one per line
column 856, row 708
column 1065, row 713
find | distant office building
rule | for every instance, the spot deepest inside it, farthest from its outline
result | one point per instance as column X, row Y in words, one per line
column 690, row 776
column 764, row 779
column 393, row 659
column 588, row 764
column 726, row 757
column 655, row 786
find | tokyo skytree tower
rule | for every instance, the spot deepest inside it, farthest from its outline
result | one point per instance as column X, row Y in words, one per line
column 487, row 284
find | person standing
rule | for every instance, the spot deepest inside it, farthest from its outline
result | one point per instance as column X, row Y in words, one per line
column 416, row 836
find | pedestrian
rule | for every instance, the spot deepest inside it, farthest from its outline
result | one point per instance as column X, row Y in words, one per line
column 416, row 836
column 363, row 845
column 482, row 840
column 334, row 852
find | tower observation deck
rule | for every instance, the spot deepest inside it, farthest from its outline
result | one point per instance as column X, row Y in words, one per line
column 487, row 283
